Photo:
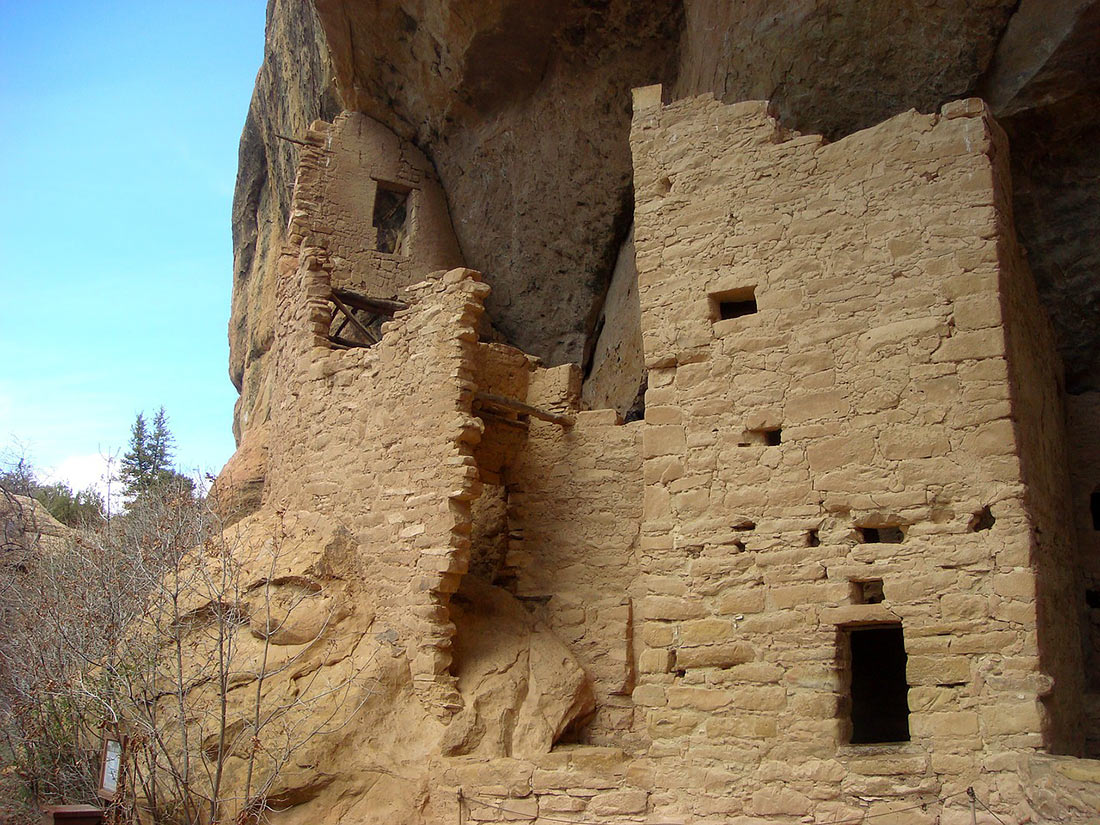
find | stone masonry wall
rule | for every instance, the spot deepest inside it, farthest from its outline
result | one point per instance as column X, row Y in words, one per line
column 851, row 423
column 869, row 368
column 337, row 209
column 397, row 472
column 341, row 165
column 577, row 496
column 380, row 438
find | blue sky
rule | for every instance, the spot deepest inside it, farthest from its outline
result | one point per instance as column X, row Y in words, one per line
column 119, row 124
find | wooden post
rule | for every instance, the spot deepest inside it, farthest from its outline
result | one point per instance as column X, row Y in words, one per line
column 377, row 306
column 366, row 333
column 510, row 404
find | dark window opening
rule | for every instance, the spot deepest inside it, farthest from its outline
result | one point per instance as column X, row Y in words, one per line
column 761, row 438
column 813, row 539
column 881, row 535
column 1092, row 598
column 867, row 592
column 733, row 303
column 390, row 218
column 637, row 408
column 1094, row 505
column 879, row 691
column 590, row 345
column 745, row 525
column 982, row 520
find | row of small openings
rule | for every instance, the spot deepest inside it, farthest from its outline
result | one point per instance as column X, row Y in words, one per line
column 895, row 533
column 391, row 216
column 981, row 520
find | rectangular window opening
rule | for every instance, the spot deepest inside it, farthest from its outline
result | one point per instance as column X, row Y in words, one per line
column 1094, row 506
column 733, row 303
column 881, row 535
column 868, row 591
column 761, row 438
column 879, row 692
column 391, row 212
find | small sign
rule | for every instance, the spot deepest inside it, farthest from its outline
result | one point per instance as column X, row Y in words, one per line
column 110, row 768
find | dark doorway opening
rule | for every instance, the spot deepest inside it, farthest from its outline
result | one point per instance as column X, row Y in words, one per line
column 879, row 691
column 1094, row 506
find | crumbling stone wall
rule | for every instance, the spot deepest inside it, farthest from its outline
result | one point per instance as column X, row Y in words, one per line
column 402, row 492
column 342, row 165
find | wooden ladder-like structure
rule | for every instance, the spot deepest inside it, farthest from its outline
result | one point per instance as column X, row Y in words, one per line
column 346, row 302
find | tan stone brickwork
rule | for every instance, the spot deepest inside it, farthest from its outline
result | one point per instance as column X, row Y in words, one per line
column 884, row 284
column 339, row 174
column 577, row 497
column 600, row 622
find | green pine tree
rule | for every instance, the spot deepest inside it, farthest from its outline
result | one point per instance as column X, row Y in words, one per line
column 147, row 464
column 135, row 469
column 161, row 447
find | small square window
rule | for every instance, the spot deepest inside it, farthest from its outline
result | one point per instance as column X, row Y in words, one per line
column 733, row 303
column 868, row 591
column 771, row 437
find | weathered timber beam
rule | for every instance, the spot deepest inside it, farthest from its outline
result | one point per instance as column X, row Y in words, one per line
column 355, row 322
column 508, row 422
column 293, row 140
column 345, row 342
column 500, row 402
column 378, row 306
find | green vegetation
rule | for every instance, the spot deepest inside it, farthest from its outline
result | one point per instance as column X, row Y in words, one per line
column 147, row 464
column 72, row 509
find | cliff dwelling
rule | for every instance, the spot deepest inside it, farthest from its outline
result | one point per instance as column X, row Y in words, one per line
column 827, row 574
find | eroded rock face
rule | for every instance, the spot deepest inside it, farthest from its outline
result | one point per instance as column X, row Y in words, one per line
column 842, row 65
column 293, row 88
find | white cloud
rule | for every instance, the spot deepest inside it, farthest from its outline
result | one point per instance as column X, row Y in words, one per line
column 83, row 471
